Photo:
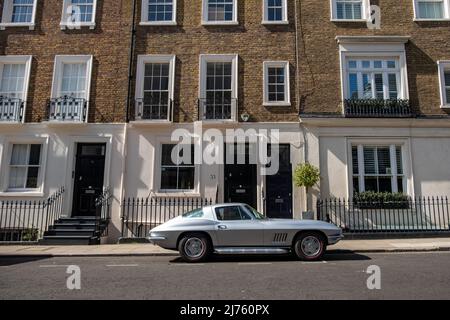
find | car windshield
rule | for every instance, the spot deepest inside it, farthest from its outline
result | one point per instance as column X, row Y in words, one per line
column 197, row 213
column 254, row 213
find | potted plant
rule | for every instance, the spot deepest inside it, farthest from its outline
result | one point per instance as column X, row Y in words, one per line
column 306, row 175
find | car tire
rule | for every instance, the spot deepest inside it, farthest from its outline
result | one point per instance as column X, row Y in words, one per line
column 310, row 246
column 194, row 247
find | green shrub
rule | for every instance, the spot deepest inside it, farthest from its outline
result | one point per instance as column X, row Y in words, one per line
column 306, row 175
column 381, row 200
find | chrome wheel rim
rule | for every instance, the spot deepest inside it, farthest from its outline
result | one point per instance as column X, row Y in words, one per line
column 194, row 247
column 311, row 246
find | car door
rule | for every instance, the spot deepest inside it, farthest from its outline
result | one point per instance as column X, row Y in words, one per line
column 236, row 228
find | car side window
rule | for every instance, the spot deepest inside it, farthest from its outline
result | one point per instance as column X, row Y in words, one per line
column 231, row 213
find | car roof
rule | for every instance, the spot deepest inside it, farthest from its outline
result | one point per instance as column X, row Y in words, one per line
column 220, row 205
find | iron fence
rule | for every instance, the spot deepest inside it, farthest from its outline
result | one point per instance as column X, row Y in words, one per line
column 419, row 214
column 140, row 215
column 377, row 108
column 27, row 221
column 103, row 212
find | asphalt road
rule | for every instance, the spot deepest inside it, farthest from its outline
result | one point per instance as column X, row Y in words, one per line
column 340, row 276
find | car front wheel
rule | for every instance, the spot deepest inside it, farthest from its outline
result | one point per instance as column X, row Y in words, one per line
column 310, row 246
column 194, row 247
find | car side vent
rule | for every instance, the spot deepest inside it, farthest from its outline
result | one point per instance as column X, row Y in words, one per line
column 280, row 237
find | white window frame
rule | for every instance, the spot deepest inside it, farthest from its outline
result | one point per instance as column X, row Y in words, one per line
column 157, row 160
column 234, row 59
column 8, row 143
column 7, row 17
column 405, row 144
column 373, row 48
column 65, row 17
column 365, row 12
column 284, row 19
column 154, row 58
column 205, row 20
column 60, row 60
column 446, row 11
column 443, row 65
column 26, row 60
column 146, row 22
column 287, row 96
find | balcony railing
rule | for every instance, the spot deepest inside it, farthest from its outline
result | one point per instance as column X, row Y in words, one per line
column 67, row 109
column 217, row 109
column 154, row 109
column 11, row 109
column 376, row 108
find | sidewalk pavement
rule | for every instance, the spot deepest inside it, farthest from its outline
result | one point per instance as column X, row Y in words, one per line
column 362, row 246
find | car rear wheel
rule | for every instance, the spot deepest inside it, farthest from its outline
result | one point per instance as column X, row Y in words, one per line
column 310, row 246
column 194, row 247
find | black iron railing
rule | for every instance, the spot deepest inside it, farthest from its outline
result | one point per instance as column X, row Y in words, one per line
column 11, row 109
column 67, row 109
column 103, row 212
column 376, row 108
column 140, row 215
column 154, row 108
column 419, row 214
column 27, row 221
column 217, row 109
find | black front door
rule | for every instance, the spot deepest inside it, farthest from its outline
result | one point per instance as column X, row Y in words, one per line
column 88, row 176
column 240, row 179
column 279, row 187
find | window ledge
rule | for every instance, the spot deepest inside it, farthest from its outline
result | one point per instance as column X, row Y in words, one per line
column 90, row 25
column 280, row 22
column 276, row 104
column 16, row 194
column 220, row 23
column 158, row 23
column 177, row 194
column 348, row 20
column 431, row 20
column 445, row 106
column 5, row 25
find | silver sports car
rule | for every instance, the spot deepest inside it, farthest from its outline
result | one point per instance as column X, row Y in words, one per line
column 237, row 228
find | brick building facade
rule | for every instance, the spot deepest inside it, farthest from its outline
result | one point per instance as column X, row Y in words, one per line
column 341, row 95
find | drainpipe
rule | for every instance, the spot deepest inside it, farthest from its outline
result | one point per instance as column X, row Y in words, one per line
column 131, row 60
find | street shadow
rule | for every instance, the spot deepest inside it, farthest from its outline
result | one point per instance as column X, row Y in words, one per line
column 337, row 255
column 11, row 261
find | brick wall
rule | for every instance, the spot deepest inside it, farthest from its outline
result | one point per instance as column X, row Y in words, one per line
column 252, row 41
column 320, row 70
column 108, row 43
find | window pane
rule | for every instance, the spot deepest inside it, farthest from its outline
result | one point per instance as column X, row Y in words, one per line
column 353, row 86
column 431, row 9
column 355, row 160
column 169, row 178
column 384, row 161
column 166, row 156
column 379, row 86
column 35, row 154
column 384, row 184
column 228, row 213
column 393, row 92
column 186, row 178
column 371, row 184
column 32, row 179
column 12, row 80
column 17, row 177
column 400, row 182
column 19, row 154
column 367, row 86
column 399, row 157
column 369, row 160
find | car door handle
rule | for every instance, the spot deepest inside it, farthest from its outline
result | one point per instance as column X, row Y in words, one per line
column 222, row 227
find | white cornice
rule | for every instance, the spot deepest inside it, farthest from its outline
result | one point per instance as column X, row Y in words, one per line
column 372, row 39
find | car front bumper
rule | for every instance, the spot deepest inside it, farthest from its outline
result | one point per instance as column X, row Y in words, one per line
column 335, row 239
